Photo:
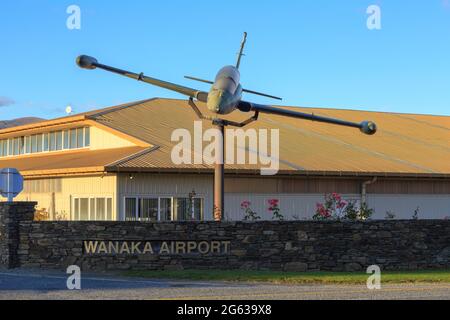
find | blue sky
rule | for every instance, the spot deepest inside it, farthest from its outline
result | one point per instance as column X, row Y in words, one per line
column 312, row 53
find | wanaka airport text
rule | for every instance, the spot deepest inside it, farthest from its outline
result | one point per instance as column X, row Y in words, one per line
column 156, row 247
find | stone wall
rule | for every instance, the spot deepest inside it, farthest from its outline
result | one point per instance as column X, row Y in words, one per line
column 11, row 214
column 290, row 246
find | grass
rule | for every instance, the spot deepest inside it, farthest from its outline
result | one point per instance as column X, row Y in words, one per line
column 429, row 276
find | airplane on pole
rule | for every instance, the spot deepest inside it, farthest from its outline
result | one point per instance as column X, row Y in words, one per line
column 224, row 97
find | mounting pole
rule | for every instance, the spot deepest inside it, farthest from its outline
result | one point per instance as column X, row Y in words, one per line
column 219, row 167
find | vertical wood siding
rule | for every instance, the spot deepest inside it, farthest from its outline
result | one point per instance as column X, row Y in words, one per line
column 65, row 189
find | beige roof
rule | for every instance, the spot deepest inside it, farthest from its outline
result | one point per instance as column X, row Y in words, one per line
column 406, row 144
column 68, row 162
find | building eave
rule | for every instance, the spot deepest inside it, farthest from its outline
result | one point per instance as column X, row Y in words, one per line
column 281, row 173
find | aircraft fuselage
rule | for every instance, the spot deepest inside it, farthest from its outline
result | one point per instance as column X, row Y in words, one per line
column 226, row 92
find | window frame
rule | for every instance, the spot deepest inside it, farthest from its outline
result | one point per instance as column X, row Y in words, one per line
column 92, row 210
column 173, row 213
column 42, row 142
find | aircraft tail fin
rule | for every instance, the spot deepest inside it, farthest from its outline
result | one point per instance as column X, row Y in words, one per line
column 241, row 51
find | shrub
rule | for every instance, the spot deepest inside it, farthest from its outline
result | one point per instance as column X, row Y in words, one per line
column 365, row 212
column 390, row 215
column 249, row 214
column 41, row 215
column 336, row 208
column 275, row 209
column 416, row 214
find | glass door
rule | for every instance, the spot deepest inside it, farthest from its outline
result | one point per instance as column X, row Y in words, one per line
column 165, row 209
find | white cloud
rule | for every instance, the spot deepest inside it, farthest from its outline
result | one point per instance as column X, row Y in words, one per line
column 5, row 101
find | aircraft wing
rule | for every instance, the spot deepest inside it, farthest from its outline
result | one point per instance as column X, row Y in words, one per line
column 366, row 127
column 90, row 63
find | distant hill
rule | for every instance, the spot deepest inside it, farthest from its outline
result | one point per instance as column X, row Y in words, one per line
column 18, row 122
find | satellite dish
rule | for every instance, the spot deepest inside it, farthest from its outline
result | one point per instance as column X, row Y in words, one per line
column 69, row 110
column 11, row 183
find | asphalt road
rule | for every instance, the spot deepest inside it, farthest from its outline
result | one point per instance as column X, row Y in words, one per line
column 25, row 284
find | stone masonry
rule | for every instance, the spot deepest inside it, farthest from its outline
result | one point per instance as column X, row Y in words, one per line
column 11, row 214
column 265, row 245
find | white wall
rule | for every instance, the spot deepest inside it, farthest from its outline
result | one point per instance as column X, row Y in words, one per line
column 431, row 206
column 303, row 205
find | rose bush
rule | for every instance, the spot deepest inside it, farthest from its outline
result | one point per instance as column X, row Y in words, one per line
column 249, row 214
column 274, row 208
column 336, row 208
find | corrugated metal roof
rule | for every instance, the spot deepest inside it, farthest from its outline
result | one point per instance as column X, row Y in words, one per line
column 405, row 144
column 68, row 162
column 67, row 119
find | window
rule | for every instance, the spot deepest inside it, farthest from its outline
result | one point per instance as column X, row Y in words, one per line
column 76, row 208
column 52, row 146
column 163, row 209
column 44, row 142
column 148, row 209
column 108, row 209
column 183, row 209
column 73, row 139
column 22, row 145
column 80, row 138
column 84, row 208
column 198, row 209
column 39, row 142
column 188, row 210
column 28, row 145
column 66, row 139
column 59, row 142
column 100, row 209
column 10, row 147
column 92, row 209
column 87, row 137
column 33, row 144
column 92, row 205
column 5, row 147
column 130, row 209
column 17, row 146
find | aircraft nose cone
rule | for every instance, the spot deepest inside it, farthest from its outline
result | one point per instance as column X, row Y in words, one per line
column 215, row 100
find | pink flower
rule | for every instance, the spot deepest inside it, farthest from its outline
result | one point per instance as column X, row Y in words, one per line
column 336, row 196
column 245, row 204
column 273, row 202
column 322, row 211
column 342, row 204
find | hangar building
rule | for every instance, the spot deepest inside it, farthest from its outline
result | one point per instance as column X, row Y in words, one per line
column 115, row 164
